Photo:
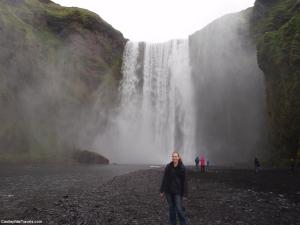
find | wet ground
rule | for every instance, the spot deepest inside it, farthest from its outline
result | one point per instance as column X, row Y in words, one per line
column 114, row 195
column 29, row 187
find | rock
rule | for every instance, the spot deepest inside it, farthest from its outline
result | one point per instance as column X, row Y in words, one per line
column 211, row 202
column 88, row 157
column 277, row 29
column 62, row 58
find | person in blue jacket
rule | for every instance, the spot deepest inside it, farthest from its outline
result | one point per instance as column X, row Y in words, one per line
column 174, row 187
column 256, row 165
column 197, row 162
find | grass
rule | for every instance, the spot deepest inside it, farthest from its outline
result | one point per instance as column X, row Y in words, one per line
column 278, row 45
column 30, row 34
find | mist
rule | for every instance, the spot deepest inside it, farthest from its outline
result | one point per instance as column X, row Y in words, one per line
column 156, row 114
column 201, row 96
column 57, row 90
column 231, row 101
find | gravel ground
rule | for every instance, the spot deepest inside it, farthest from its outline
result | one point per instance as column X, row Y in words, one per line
column 220, row 196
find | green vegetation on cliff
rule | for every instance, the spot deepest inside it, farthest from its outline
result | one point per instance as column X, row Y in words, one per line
column 277, row 29
column 59, row 72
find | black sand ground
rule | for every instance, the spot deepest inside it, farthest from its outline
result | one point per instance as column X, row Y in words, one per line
column 220, row 196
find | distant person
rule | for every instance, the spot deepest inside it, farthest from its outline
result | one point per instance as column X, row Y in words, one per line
column 202, row 164
column 174, row 187
column 207, row 165
column 292, row 164
column 197, row 162
column 256, row 165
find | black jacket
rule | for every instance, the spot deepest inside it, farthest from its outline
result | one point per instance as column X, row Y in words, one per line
column 174, row 180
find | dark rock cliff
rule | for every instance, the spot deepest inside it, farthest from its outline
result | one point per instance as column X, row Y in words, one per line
column 225, row 57
column 230, row 91
column 276, row 26
column 59, row 73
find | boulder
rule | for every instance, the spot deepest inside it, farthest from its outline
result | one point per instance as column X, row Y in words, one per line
column 89, row 157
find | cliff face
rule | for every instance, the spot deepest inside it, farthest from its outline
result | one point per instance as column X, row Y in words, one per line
column 276, row 24
column 230, row 91
column 60, row 71
column 59, row 74
column 225, row 57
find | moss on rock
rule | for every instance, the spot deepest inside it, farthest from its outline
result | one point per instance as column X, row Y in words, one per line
column 276, row 24
column 54, row 60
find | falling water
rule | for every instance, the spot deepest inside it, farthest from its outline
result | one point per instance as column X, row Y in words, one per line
column 157, row 107
column 201, row 96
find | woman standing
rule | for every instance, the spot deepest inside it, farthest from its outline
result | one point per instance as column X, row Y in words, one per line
column 174, row 187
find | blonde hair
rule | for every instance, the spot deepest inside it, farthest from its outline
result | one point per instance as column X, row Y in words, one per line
column 175, row 152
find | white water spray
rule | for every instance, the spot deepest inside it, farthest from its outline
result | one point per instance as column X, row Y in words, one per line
column 157, row 113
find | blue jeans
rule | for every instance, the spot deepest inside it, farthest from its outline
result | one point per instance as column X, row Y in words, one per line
column 175, row 207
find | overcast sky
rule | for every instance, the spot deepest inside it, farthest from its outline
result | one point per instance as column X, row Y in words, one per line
column 159, row 20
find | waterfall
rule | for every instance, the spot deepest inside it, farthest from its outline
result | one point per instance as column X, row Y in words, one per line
column 200, row 96
column 156, row 114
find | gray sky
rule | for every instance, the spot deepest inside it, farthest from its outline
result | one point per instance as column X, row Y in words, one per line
column 159, row 20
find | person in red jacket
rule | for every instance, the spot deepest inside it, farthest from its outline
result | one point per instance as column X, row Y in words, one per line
column 202, row 164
